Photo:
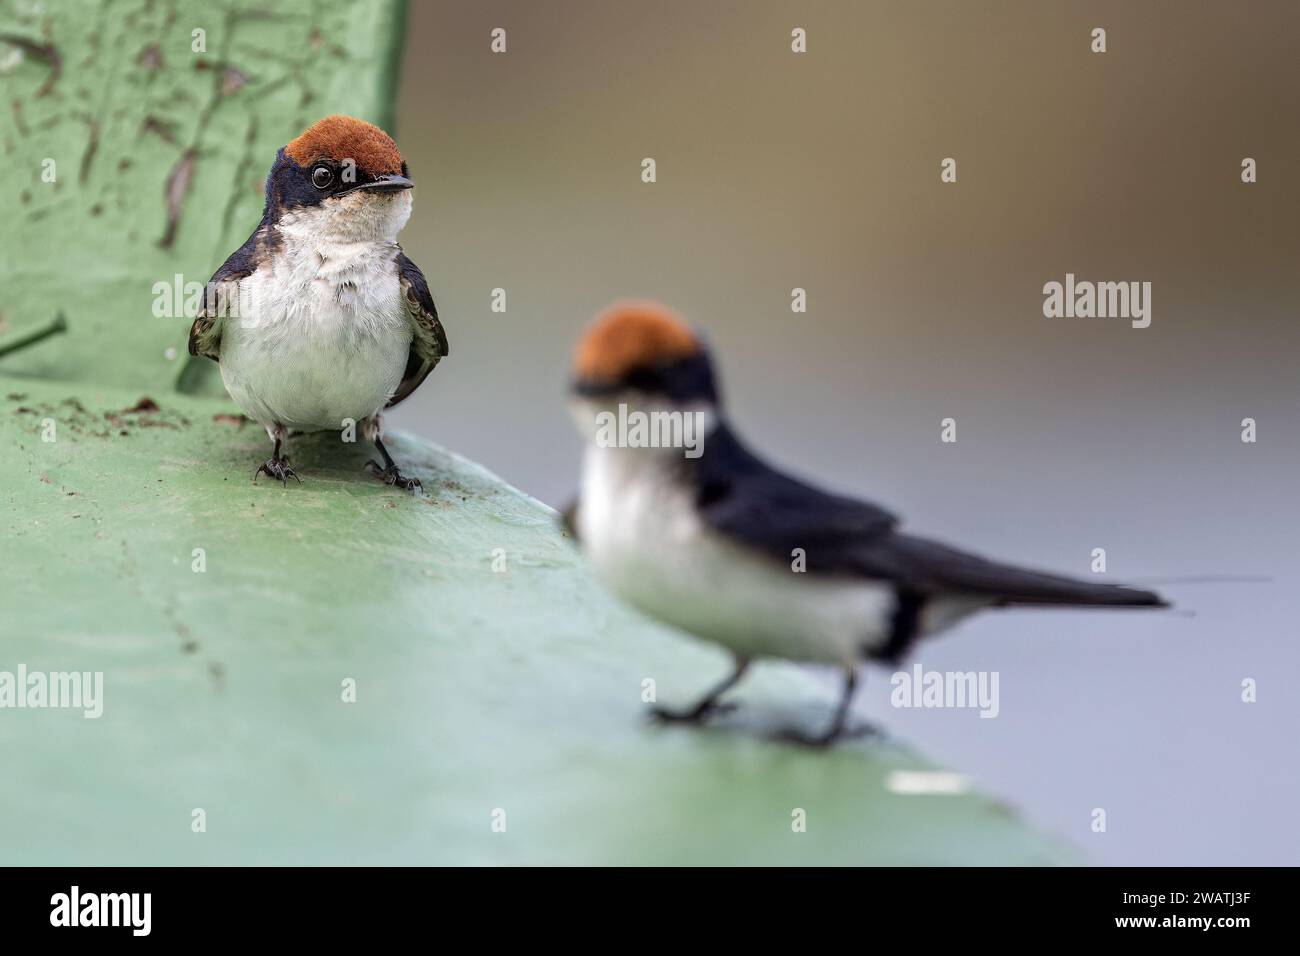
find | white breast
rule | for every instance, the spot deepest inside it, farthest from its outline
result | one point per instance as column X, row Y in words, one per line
column 323, row 336
column 639, row 527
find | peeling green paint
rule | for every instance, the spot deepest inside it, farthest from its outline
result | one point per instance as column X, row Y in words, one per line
column 159, row 155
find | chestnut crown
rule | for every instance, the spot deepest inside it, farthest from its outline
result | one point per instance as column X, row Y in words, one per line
column 334, row 156
column 643, row 347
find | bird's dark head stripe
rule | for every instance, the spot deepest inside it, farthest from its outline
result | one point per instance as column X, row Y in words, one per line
column 682, row 381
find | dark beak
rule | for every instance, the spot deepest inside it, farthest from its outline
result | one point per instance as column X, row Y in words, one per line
column 382, row 184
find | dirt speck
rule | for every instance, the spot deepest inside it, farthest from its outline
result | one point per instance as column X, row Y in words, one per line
column 232, row 81
column 150, row 57
column 146, row 406
column 164, row 130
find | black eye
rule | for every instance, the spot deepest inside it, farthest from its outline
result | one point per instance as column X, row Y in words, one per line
column 321, row 177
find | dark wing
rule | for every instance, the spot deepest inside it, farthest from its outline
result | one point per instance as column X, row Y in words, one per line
column 221, row 296
column 744, row 499
column 428, row 340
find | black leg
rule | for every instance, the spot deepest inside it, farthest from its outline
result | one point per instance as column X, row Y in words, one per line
column 277, row 467
column 388, row 471
column 836, row 729
column 842, row 711
column 709, row 705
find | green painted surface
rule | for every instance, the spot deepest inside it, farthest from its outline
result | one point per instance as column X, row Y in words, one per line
column 476, row 689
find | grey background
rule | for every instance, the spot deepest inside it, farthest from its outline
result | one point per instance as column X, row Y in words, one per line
column 925, row 301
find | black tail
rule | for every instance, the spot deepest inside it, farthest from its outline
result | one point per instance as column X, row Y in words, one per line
column 1070, row 593
column 938, row 568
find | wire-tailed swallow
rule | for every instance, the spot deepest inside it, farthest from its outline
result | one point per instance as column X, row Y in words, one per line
column 319, row 319
column 715, row 542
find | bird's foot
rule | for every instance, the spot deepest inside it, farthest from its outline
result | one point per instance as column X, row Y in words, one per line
column 695, row 715
column 812, row 741
column 391, row 476
column 277, row 468
column 792, row 735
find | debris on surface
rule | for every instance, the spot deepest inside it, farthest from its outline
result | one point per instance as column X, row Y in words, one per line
column 145, row 406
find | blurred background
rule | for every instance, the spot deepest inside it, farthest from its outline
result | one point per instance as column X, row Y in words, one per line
column 924, row 301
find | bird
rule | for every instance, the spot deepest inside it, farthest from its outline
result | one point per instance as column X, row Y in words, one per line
column 320, row 321
column 713, row 541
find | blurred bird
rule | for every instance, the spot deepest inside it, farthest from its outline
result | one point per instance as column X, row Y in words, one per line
column 320, row 320
column 717, row 543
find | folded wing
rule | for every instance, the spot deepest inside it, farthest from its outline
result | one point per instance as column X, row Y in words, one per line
column 428, row 339
column 221, row 296
column 743, row 498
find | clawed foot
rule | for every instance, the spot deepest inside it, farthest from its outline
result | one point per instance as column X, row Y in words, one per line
column 279, row 469
column 823, row 740
column 696, row 715
column 813, row 741
column 391, row 476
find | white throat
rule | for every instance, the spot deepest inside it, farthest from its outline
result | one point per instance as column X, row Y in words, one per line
column 358, row 218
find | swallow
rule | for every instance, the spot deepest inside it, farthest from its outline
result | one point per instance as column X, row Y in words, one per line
column 711, row 540
column 319, row 322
